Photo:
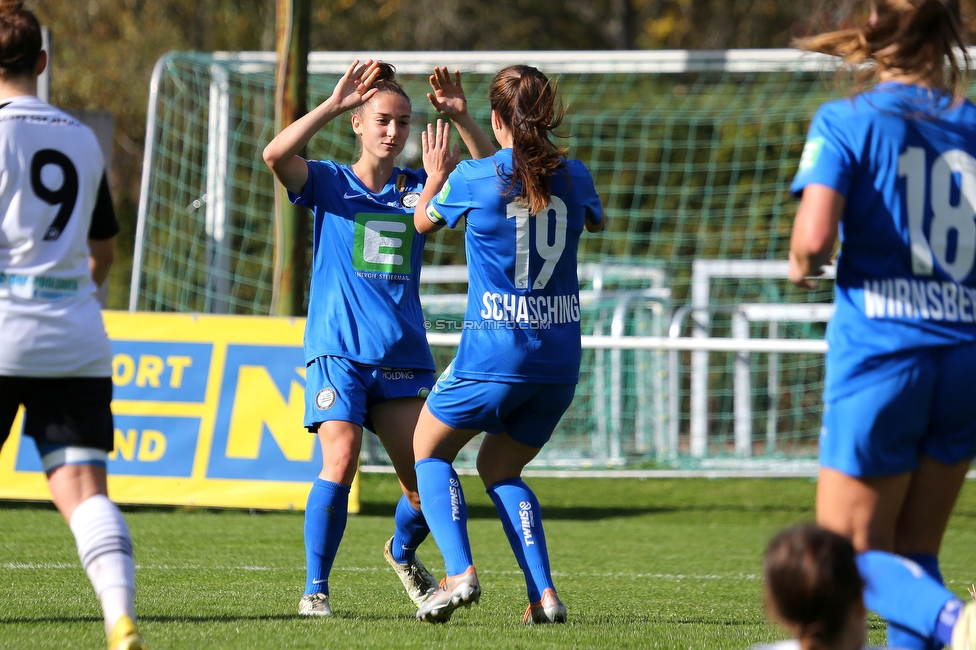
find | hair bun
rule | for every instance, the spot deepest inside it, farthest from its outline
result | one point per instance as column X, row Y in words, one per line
column 386, row 71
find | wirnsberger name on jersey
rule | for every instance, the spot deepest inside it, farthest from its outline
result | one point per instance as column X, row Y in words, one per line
column 554, row 310
column 925, row 299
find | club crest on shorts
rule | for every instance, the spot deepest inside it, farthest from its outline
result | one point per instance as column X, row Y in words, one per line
column 410, row 199
column 325, row 399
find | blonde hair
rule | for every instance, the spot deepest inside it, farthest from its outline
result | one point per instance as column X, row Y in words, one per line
column 910, row 37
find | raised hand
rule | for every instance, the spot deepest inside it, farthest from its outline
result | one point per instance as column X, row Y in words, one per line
column 439, row 158
column 282, row 153
column 353, row 89
column 448, row 96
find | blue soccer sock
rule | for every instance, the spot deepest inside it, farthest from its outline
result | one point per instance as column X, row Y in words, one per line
column 442, row 502
column 326, row 512
column 900, row 636
column 521, row 518
column 901, row 592
column 411, row 531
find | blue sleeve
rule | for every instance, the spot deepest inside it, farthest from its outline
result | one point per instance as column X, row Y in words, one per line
column 321, row 173
column 827, row 157
column 589, row 199
column 452, row 202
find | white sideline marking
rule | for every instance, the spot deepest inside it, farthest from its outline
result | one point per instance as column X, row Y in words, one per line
column 674, row 577
column 195, row 567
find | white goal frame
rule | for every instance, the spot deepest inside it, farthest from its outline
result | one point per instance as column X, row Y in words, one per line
column 700, row 343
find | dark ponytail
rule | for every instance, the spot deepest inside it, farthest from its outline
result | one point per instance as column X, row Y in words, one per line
column 812, row 584
column 20, row 39
column 525, row 101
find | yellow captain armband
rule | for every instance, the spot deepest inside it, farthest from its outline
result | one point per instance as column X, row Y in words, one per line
column 432, row 214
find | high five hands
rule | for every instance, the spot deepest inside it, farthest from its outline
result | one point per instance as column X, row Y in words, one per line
column 439, row 158
column 353, row 89
column 448, row 96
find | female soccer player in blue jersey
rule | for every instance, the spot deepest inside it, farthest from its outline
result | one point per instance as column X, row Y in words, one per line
column 368, row 363
column 518, row 363
column 892, row 171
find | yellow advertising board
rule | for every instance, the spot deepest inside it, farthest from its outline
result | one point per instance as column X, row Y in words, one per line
column 208, row 412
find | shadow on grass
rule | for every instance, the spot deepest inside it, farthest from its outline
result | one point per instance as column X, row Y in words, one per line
column 589, row 513
column 630, row 620
column 227, row 618
column 480, row 511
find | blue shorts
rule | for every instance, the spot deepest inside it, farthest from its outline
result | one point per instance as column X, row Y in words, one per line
column 528, row 413
column 925, row 408
column 339, row 389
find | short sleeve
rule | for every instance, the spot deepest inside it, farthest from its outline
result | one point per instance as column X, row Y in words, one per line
column 827, row 157
column 321, row 173
column 589, row 199
column 453, row 201
column 103, row 223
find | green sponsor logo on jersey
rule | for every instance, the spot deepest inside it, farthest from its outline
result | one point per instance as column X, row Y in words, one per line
column 383, row 242
column 811, row 151
column 442, row 195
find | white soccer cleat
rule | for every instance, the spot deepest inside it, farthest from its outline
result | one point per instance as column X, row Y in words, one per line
column 315, row 605
column 416, row 579
column 549, row 609
column 964, row 631
column 454, row 591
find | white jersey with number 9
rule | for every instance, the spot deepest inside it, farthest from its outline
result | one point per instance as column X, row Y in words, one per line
column 52, row 185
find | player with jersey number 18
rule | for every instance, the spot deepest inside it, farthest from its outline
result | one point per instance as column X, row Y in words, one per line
column 366, row 354
column 57, row 242
column 517, row 366
column 892, row 171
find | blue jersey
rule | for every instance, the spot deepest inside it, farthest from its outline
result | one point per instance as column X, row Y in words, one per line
column 523, row 316
column 905, row 160
column 364, row 299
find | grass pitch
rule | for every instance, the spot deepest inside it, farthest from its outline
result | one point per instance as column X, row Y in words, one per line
column 654, row 563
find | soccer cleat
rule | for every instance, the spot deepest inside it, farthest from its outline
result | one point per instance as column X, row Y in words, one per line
column 416, row 579
column 964, row 631
column 549, row 609
column 454, row 591
column 125, row 635
column 316, row 604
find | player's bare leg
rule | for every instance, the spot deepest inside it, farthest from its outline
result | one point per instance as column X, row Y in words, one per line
column 928, row 505
column 80, row 493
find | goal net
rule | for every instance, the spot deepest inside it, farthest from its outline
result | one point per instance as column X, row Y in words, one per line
column 692, row 153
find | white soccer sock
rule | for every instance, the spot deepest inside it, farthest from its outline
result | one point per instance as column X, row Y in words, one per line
column 105, row 549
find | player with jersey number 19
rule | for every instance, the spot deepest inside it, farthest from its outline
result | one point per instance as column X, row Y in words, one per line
column 892, row 171
column 366, row 354
column 518, row 363
column 57, row 242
